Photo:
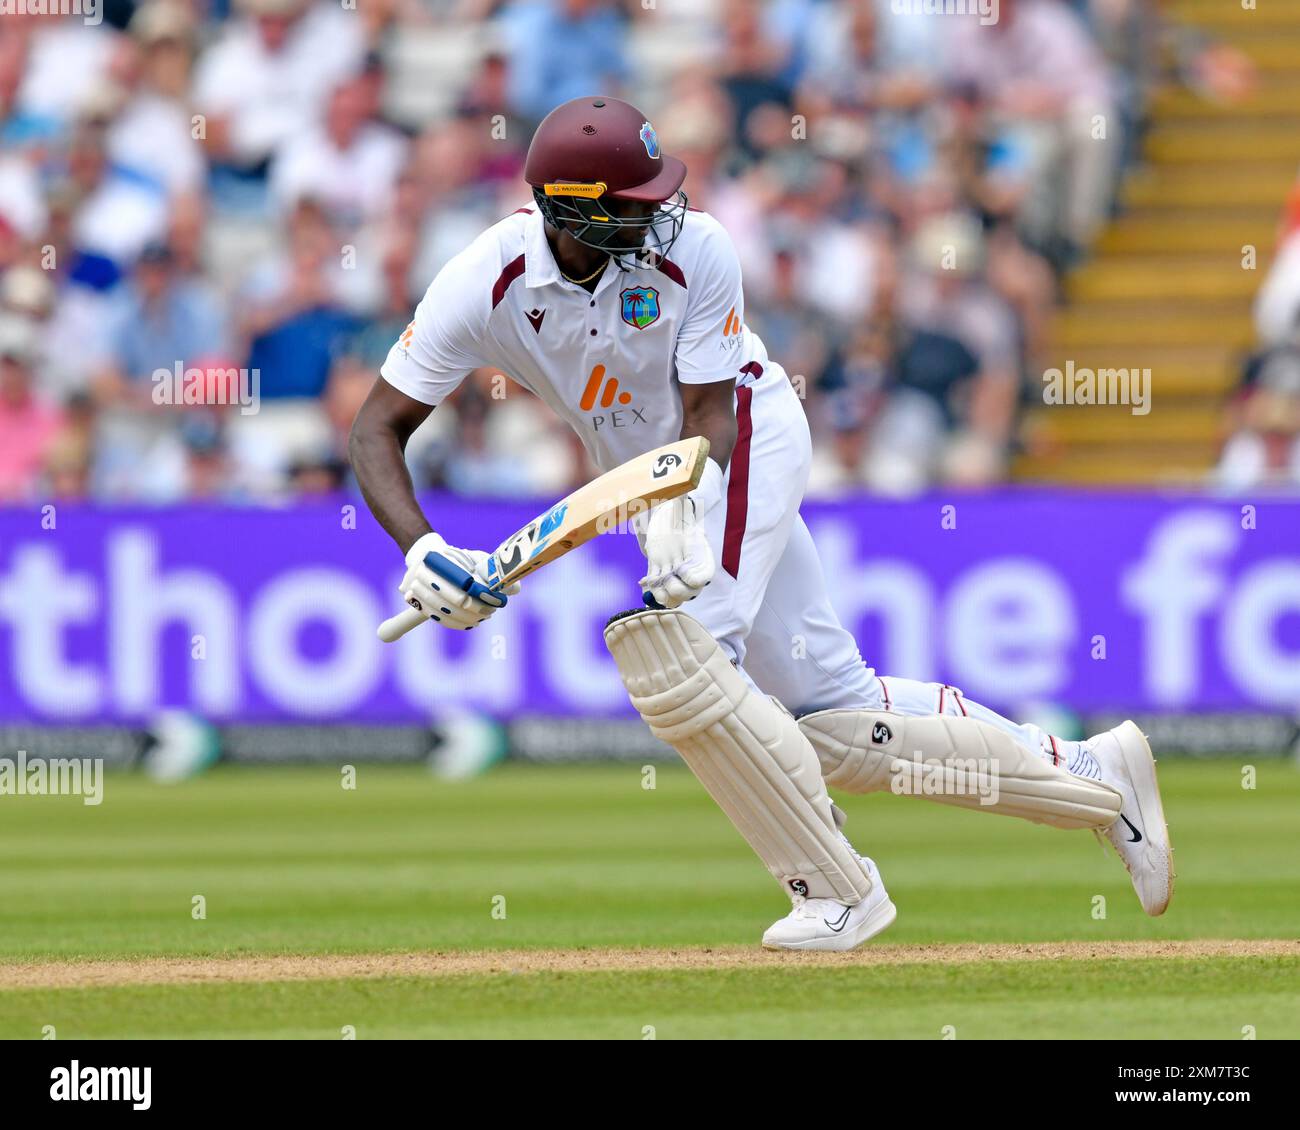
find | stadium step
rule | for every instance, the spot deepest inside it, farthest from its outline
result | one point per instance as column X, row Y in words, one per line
column 1119, row 467
column 1217, row 16
column 1190, row 231
column 1205, row 374
column 1223, row 142
column 1167, row 288
column 1169, row 323
column 1272, row 52
column 1141, row 277
column 1247, row 184
column 1273, row 101
column 1166, row 424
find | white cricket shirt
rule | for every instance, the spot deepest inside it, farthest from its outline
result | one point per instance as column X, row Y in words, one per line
column 606, row 362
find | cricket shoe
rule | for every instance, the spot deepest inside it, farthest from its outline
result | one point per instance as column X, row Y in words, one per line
column 1140, row 835
column 828, row 924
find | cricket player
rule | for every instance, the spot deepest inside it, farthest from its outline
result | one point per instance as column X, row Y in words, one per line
column 622, row 308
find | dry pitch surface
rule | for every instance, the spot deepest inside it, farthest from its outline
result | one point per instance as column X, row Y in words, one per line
column 183, row 971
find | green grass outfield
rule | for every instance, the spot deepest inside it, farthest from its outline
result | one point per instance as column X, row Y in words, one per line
column 584, row 858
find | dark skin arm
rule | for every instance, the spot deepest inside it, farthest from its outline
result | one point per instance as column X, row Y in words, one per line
column 376, row 446
column 710, row 411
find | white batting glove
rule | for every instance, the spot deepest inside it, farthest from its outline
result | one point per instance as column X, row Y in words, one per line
column 679, row 559
column 442, row 591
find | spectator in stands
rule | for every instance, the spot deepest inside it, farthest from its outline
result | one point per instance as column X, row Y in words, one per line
column 28, row 423
column 958, row 361
column 267, row 79
column 163, row 319
column 753, row 69
column 562, row 49
column 473, row 466
column 116, row 213
column 23, row 208
column 457, row 205
column 295, row 317
column 62, row 60
column 152, row 137
column 1264, row 450
column 1045, row 78
column 1277, row 305
column 291, row 165
column 297, row 323
column 70, row 458
column 852, row 393
column 349, row 163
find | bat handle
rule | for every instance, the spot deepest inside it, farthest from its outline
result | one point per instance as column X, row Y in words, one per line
column 649, row 601
column 395, row 627
column 464, row 580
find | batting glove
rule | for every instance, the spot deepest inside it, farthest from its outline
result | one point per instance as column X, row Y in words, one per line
column 679, row 559
column 448, row 585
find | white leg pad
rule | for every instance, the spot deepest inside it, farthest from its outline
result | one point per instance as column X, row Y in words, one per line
column 745, row 749
column 953, row 760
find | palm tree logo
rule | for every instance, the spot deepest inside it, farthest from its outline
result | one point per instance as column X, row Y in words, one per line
column 640, row 306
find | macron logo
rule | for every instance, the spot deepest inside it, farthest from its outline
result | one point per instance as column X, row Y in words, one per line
column 101, row 1084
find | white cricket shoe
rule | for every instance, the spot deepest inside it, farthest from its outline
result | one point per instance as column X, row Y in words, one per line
column 828, row 924
column 1140, row 834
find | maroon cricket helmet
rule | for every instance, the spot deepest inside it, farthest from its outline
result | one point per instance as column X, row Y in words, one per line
column 591, row 149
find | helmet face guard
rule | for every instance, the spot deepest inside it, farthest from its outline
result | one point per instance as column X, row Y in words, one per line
column 576, row 208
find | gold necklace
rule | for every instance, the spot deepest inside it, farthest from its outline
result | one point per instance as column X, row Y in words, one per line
column 588, row 278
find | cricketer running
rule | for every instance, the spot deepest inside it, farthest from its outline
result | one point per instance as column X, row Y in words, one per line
column 622, row 308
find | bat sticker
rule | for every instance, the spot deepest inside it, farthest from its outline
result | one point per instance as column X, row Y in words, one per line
column 664, row 464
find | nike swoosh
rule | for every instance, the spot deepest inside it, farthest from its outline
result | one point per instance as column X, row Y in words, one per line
column 843, row 921
column 1137, row 836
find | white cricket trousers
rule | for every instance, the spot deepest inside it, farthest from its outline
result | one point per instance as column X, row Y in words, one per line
column 768, row 604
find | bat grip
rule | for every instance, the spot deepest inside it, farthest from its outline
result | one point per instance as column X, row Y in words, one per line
column 395, row 627
column 464, row 580
column 649, row 600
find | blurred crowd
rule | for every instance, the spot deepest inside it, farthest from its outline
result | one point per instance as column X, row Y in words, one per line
column 208, row 186
column 1263, row 450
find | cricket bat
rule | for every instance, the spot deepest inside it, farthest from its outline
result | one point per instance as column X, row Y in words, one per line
column 600, row 505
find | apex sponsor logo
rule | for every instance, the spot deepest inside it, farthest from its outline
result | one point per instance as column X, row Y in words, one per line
column 605, row 391
column 607, row 394
column 102, row 1084
column 731, row 331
